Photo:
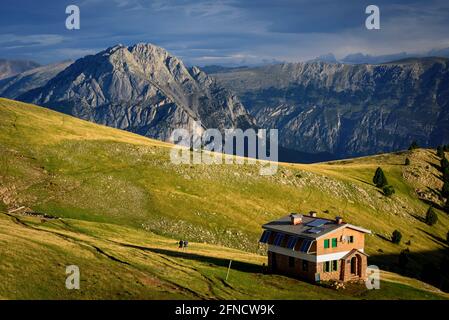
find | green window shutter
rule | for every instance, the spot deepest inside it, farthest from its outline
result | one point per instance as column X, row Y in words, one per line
column 334, row 265
column 326, row 243
column 334, row 242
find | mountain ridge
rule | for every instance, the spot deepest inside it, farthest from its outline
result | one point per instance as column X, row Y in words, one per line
column 348, row 110
column 143, row 89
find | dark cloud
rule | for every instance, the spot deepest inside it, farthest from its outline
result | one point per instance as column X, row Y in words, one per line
column 222, row 32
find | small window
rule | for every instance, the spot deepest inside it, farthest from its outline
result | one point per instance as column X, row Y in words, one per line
column 291, row 262
column 305, row 265
column 335, row 265
column 351, row 239
column 334, row 242
column 326, row 243
column 327, row 266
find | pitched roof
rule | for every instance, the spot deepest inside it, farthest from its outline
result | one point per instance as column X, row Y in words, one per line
column 303, row 229
column 350, row 253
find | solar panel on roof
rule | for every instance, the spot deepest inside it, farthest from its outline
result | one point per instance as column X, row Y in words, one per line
column 265, row 236
column 315, row 230
column 305, row 246
column 317, row 223
column 278, row 239
column 292, row 241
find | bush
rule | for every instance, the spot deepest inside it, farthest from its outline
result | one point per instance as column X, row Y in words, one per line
column 379, row 178
column 388, row 190
column 407, row 161
column 445, row 189
column 396, row 237
column 440, row 152
column 413, row 146
column 431, row 217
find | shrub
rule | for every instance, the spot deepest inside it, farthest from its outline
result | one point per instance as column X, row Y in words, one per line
column 388, row 190
column 431, row 217
column 413, row 146
column 407, row 161
column 379, row 178
column 396, row 236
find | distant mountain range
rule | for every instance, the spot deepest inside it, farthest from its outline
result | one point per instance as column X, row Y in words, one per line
column 360, row 58
column 9, row 68
column 348, row 110
column 323, row 110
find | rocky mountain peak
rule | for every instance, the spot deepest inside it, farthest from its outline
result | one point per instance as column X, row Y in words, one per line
column 143, row 89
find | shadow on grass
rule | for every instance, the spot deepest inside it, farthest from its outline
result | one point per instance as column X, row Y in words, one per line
column 428, row 266
column 236, row 265
column 437, row 239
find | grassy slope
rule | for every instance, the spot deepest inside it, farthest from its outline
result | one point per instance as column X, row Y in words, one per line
column 109, row 184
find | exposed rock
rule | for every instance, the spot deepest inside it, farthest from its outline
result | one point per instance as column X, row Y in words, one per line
column 348, row 110
column 142, row 89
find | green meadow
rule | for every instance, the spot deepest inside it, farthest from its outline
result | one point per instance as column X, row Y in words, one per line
column 112, row 203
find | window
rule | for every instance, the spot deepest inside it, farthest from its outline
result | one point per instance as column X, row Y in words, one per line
column 291, row 262
column 330, row 266
column 334, row 242
column 305, row 265
column 326, row 243
column 335, row 265
column 351, row 239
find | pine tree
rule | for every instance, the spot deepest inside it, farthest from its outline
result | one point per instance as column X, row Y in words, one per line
column 445, row 189
column 413, row 146
column 379, row 178
column 444, row 163
column 431, row 217
column 440, row 152
column 407, row 162
column 446, row 174
column 396, row 237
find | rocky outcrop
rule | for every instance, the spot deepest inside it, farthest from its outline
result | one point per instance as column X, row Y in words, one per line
column 142, row 89
column 348, row 110
column 15, row 86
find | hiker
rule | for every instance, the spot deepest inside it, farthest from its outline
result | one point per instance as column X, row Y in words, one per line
column 185, row 244
column 181, row 244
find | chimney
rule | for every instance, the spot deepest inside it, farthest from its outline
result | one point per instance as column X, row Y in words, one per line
column 295, row 218
column 312, row 214
column 338, row 220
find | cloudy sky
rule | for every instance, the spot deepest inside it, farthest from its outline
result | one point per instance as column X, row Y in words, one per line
column 226, row 32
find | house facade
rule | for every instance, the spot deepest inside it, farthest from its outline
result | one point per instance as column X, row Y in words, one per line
column 315, row 249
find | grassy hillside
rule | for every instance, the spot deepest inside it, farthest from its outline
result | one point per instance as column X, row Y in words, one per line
column 120, row 193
